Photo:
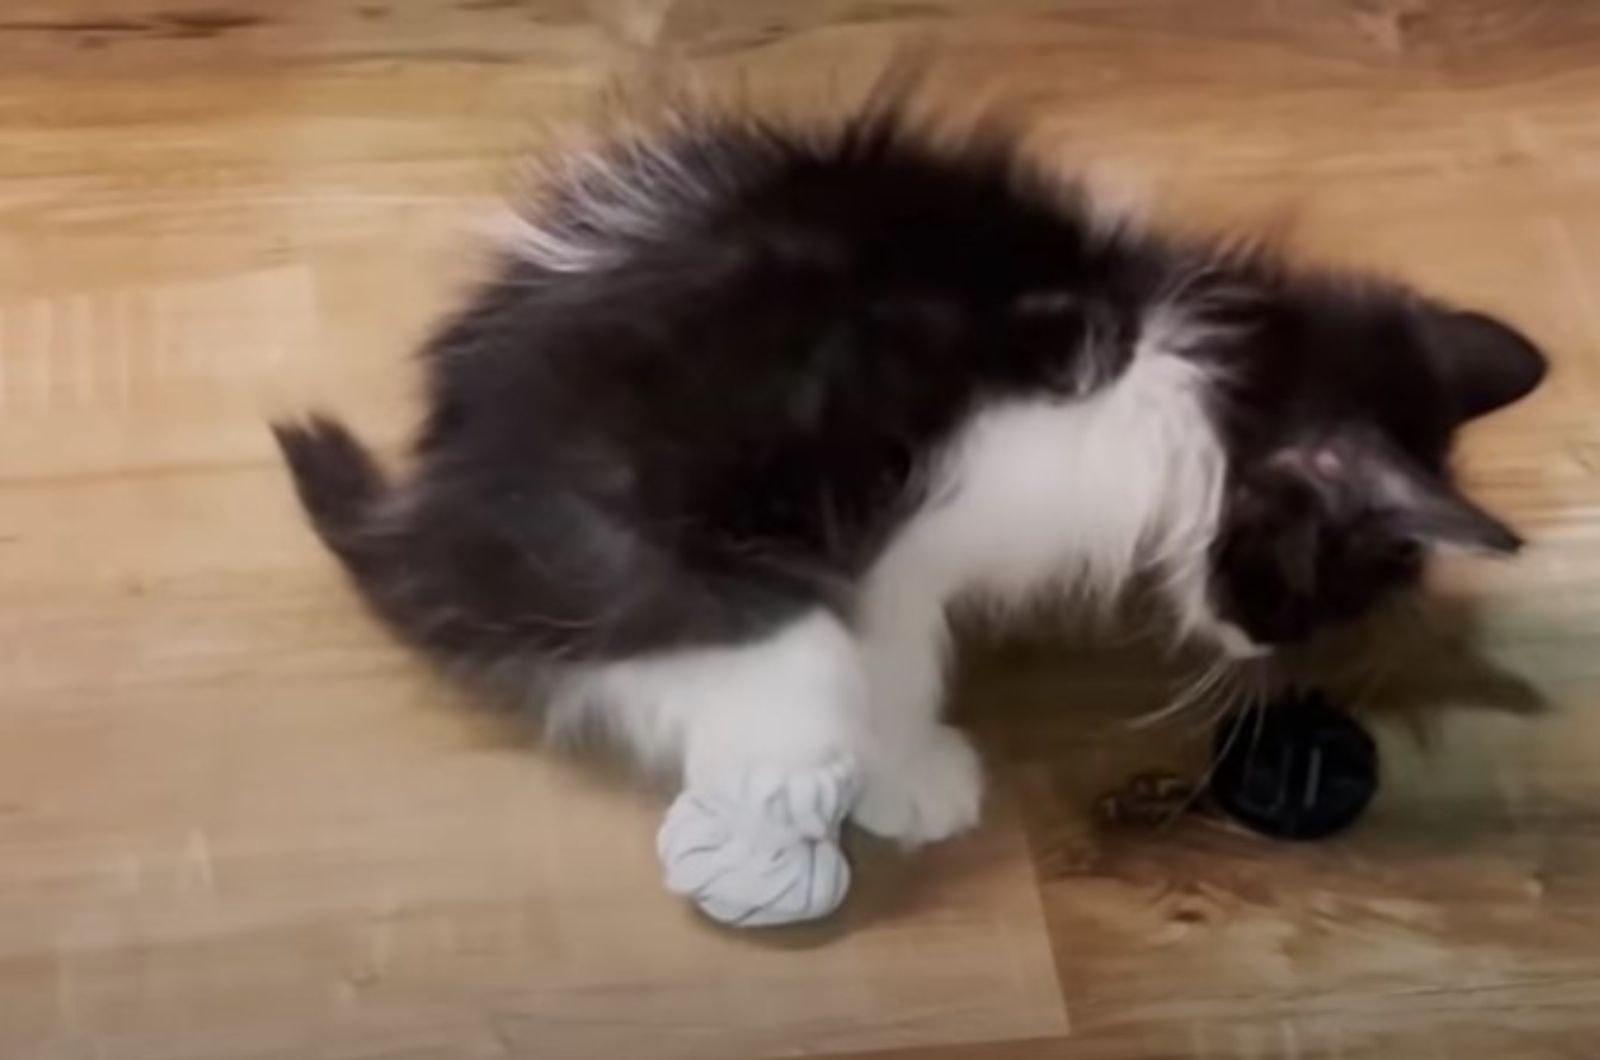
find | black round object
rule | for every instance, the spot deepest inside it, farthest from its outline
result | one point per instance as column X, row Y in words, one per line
column 1296, row 769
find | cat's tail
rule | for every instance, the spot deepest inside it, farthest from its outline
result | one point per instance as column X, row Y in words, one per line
column 339, row 485
column 348, row 499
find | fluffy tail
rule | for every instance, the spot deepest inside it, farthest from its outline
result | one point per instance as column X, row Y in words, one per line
column 343, row 491
column 338, row 483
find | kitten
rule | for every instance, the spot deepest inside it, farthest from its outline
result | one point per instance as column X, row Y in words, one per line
column 747, row 407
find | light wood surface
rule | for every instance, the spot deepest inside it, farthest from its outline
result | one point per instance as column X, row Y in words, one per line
column 236, row 822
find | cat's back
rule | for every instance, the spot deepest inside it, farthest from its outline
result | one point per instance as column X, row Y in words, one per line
column 733, row 278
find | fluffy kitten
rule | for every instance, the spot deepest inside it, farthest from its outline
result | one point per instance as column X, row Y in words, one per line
column 748, row 406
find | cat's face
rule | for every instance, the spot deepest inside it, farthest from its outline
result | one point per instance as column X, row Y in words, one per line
column 1339, row 439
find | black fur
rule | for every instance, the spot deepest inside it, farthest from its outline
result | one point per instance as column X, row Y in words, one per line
column 1347, row 395
column 718, row 417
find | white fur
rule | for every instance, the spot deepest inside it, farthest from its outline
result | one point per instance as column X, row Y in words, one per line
column 790, row 696
column 610, row 199
column 1072, row 495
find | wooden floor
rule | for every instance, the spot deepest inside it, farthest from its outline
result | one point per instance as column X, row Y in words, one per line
column 235, row 822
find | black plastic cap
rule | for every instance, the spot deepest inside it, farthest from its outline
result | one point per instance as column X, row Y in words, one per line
column 1299, row 769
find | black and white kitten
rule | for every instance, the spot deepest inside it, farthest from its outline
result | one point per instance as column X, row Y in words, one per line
column 749, row 406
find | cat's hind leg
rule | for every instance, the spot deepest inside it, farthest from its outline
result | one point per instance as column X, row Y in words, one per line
column 771, row 737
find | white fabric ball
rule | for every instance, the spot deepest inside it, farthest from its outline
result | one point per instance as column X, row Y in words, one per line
column 762, row 851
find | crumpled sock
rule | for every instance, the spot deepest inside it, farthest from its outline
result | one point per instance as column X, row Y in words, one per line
column 763, row 848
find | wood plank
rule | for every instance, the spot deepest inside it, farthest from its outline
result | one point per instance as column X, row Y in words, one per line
column 236, row 822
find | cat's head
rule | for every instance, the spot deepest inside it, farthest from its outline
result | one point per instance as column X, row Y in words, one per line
column 1344, row 405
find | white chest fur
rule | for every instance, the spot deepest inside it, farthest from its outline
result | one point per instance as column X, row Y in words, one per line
column 1067, row 496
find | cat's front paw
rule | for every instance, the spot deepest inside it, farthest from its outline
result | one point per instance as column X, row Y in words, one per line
column 925, row 793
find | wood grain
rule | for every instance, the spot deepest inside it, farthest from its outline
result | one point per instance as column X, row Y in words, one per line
column 236, row 822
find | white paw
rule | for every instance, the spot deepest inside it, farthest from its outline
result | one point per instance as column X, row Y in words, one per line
column 763, row 850
column 925, row 793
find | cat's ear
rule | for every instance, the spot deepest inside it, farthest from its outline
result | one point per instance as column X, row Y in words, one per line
column 1428, row 510
column 1487, row 363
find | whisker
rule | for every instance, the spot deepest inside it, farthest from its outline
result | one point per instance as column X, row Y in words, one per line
column 1253, row 701
column 1203, row 785
column 1191, row 693
column 1259, row 707
column 1226, row 694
